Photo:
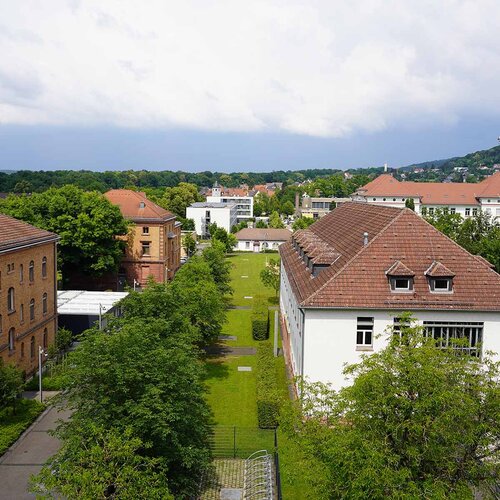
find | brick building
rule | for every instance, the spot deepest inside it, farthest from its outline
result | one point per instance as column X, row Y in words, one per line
column 28, row 292
column 154, row 241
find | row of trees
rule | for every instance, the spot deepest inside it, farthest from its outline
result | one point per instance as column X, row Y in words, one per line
column 141, row 424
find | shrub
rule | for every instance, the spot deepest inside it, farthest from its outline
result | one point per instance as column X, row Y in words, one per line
column 267, row 389
column 260, row 319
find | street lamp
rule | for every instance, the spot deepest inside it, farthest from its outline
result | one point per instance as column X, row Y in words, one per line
column 136, row 283
column 41, row 353
column 101, row 308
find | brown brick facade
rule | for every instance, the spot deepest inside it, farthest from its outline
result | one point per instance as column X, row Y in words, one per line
column 29, row 316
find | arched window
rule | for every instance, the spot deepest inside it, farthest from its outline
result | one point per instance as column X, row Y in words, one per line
column 45, row 338
column 21, row 313
column 12, row 339
column 32, row 347
column 32, row 309
column 44, row 267
column 44, row 303
column 21, row 273
column 32, row 271
column 11, row 304
column 22, row 349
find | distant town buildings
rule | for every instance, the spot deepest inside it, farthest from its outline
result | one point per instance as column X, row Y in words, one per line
column 154, row 242
column 462, row 198
column 28, row 288
column 317, row 207
column 242, row 197
column 352, row 274
column 224, row 214
column 257, row 240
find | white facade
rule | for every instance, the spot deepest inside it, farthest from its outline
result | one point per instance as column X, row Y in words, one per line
column 244, row 204
column 257, row 246
column 322, row 341
column 204, row 214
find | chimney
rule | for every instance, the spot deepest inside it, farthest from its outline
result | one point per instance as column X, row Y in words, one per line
column 385, row 167
column 365, row 239
column 297, row 211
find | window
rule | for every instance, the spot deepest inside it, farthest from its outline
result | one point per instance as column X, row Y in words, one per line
column 11, row 304
column 45, row 339
column 44, row 303
column 431, row 210
column 383, row 199
column 31, row 272
column 402, row 284
column 398, row 324
column 44, row 267
column 21, row 313
column 467, row 212
column 145, row 230
column 441, row 284
column 394, row 199
column 146, row 247
column 32, row 347
column 474, row 212
column 453, row 210
column 374, row 199
column 12, row 339
column 247, row 244
column 364, row 334
column 10, row 268
column 446, row 331
column 424, row 210
column 21, row 273
column 32, row 309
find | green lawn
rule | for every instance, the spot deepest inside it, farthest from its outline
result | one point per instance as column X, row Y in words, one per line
column 249, row 264
column 12, row 425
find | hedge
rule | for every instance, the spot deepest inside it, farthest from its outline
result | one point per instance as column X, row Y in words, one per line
column 260, row 319
column 267, row 388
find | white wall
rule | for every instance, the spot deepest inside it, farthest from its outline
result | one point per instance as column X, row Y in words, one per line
column 224, row 217
column 244, row 204
column 330, row 337
column 252, row 245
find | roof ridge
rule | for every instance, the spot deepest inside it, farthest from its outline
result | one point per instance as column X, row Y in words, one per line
column 332, row 278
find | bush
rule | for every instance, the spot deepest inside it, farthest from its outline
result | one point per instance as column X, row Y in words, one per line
column 267, row 389
column 260, row 319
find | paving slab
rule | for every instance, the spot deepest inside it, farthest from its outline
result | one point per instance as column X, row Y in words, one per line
column 244, row 368
column 231, row 494
column 13, row 481
column 228, row 337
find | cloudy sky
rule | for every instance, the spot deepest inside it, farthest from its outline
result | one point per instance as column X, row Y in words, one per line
column 235, row 85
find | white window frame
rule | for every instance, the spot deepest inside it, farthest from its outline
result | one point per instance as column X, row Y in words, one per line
column 364, row 328
column 395, row 279
column 432, row 285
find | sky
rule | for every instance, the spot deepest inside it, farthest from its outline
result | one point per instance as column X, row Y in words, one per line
column 237, row 85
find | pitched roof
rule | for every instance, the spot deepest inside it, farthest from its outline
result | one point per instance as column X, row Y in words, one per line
column 264, row 234
column 438, row 270
column 399, row 269
column 136, row 206
column 433, row 193
column 357, row 279
column 15, row 233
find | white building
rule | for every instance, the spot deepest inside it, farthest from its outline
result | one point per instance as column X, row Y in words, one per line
column 204, row 214
column 257, row 240
column 350, row 276
column 462, row 198
column 239, row 196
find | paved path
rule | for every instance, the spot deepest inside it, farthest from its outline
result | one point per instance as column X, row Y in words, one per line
column 27, row 455
column 224, row 350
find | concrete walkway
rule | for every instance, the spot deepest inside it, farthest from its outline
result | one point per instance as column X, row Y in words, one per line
column 27, row 455
column 224, row 350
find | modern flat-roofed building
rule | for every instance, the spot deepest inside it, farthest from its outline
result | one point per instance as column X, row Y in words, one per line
column 241, row 197
column 462, row 198
column 154, row 241
column 352, row 274
column 206, row 213
column 28, row 292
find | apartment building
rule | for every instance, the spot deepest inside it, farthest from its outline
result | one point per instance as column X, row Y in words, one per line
column 154, row 241
column 28, row 292
column 241, row 197
column 206, row 213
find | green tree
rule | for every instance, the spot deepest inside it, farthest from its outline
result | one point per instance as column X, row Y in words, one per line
column 220, row 267
column 270, row 275
column 145, row 376
column 87, row 223
column 11, row 383
column 418, row 421
column 287, row 208
column 97, row 463
column 275, row 221
column 227, row 239
column 258, row 209
column 409, row 203
column 178, row 198
column 302, row 223
column 189, row 244
column 260, row 224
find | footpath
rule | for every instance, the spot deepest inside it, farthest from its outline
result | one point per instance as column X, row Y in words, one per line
column 27, row 455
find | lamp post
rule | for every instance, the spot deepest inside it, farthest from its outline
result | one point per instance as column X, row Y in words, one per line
column 135, row 283
column 41, row 353
column 100, row 316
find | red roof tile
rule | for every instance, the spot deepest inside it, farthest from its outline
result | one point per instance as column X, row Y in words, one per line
column 399, row 269
column 438, row 270
column 357, row 279
column 263, row 234
column 15, row 233
column 136, row 207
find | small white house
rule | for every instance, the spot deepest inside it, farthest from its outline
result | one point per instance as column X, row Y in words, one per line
column 204, row 214
column 257, row 240
column 351, row 275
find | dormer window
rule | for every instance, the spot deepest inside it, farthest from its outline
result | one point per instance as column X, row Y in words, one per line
column 441, row 284
column 440, row 278
column 402, row 284
column 400, row 277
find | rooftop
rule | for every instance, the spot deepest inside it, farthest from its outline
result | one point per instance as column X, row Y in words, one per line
column 15, row 233
column 264, row 234
column 81, row 302
column 354, row 274
column 208, row 204
column 136, row 206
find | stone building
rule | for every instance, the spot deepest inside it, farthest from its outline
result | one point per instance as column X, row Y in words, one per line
column 154, row 241
column 28, row 292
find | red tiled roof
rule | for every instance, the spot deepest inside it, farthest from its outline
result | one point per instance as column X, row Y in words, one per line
column 438, row 270
column 357, row 279
column 433, row 193
column 399, row 269
column 263, row 234
column 15, row 233
column 136, row 207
